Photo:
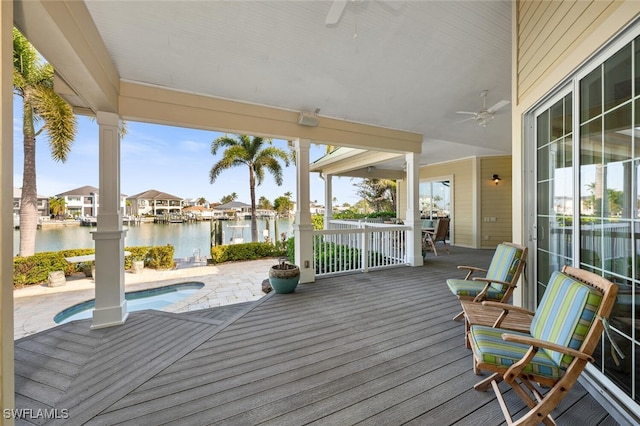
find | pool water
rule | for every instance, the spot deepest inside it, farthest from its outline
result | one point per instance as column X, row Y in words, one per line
column 155, row 298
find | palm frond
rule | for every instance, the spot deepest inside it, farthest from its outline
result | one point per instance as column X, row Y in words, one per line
column 60, row 123
column 222, row 141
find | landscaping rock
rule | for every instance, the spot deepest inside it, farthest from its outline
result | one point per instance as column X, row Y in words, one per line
column 266, row 287
column 137, row 267
column 56, row 279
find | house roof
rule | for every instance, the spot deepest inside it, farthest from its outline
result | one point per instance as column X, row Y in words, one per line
column 153, row 194
column 17, row 193
column 81, row 191
column 386, row 67
column 233, row 205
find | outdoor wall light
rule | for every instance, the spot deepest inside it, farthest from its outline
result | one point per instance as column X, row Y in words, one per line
column 496, row 179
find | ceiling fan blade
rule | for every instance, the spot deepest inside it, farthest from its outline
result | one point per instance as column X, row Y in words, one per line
column 499, row 105
column 335, row 12
column 466, row 112
column 466, row 119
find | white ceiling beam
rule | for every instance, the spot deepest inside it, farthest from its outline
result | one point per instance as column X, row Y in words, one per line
column 64, row 33
column 171, row 107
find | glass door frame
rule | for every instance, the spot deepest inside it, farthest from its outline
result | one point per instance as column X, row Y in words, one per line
column 447, row 178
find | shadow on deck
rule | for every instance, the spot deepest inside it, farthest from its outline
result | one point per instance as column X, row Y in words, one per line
column 375, row 348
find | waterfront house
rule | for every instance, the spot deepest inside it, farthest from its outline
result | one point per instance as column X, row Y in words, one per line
column 153, row 202
column 405, row 84
column 84, row 201
column 43, row 205
column 191, row 202
column 234, row 209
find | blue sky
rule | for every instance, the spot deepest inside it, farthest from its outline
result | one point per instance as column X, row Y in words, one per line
column 170, row 159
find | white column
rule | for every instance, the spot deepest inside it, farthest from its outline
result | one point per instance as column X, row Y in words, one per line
column 303, row 228
column 414, row 239
column 328, row 201
column 7, row 399
column 111, row 306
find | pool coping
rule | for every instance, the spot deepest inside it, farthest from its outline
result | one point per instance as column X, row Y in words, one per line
column 35, row 306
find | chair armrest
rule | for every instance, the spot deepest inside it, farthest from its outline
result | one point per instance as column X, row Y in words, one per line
column 487, row 284
column 507, row 307
column 525, row 340
column 472, row 268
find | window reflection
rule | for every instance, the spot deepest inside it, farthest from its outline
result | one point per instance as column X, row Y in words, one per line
column 617, row 134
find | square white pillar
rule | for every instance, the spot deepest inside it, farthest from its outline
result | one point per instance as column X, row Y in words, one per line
column 111, row 306
column 414, row 237
column 303, row 228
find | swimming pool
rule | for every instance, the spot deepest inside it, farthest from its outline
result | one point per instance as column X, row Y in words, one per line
column 154, row 298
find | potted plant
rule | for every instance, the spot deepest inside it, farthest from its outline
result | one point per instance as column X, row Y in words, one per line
column 284, row 276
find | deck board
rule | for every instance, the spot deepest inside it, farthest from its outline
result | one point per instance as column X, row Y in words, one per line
column 374, row 348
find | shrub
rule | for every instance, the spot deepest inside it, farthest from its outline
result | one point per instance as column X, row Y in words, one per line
column 336, row 257
column 318, row 222
column 138, row 253
column 291, row 250
column 350, row 214
column 35, row 269
column 245, row 251
column 160, row 257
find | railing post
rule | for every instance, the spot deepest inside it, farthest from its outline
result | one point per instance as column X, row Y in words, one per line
column 364, row 260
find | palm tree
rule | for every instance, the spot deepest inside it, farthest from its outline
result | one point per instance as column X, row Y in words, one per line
column 229, row 198
column 57, row 206
column 33, row 81
column 251, row 152
column 201, row 201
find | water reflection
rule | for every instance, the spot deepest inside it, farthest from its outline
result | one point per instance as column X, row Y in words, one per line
column 189, row 239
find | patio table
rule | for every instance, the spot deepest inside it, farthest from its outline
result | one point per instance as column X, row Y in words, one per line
column 479, row 314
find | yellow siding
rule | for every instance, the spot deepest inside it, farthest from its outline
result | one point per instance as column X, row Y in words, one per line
column 401, row 196
column 463, row 197
column 548, row 31
column 495, row 201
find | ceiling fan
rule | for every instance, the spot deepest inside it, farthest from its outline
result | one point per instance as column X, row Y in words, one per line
column 485, row 115
column 338, row 6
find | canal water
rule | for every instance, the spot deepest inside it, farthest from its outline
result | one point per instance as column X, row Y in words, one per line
column 189, row 239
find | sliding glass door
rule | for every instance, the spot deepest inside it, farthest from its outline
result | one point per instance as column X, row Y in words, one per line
column 587, row 197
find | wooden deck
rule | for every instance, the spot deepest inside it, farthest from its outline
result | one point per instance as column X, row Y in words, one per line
column 375, row 348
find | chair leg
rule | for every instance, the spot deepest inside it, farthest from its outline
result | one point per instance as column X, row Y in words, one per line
column 483, row 385
column 433, row 247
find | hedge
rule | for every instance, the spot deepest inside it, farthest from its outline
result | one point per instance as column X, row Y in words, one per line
column 35, row 269
column 245, row 251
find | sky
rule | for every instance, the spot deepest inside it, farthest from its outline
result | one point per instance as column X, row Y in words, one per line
column 169, row 159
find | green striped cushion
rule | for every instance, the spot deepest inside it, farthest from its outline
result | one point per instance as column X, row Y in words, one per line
column 503, row 265
column 488, row 345
column 472, row 289
column 565, row 314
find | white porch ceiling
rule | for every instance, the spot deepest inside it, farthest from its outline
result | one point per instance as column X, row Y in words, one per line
column 412, row 65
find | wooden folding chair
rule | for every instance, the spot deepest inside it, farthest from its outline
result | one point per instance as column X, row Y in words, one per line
column 439, row 234
column 500, row 278
column 565, row 330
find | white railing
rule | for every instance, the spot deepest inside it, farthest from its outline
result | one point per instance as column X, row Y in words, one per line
column 358, row 246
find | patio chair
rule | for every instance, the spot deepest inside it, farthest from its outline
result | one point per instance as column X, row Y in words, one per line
column 440, row 233
column 564, row 332
column 499, row 281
